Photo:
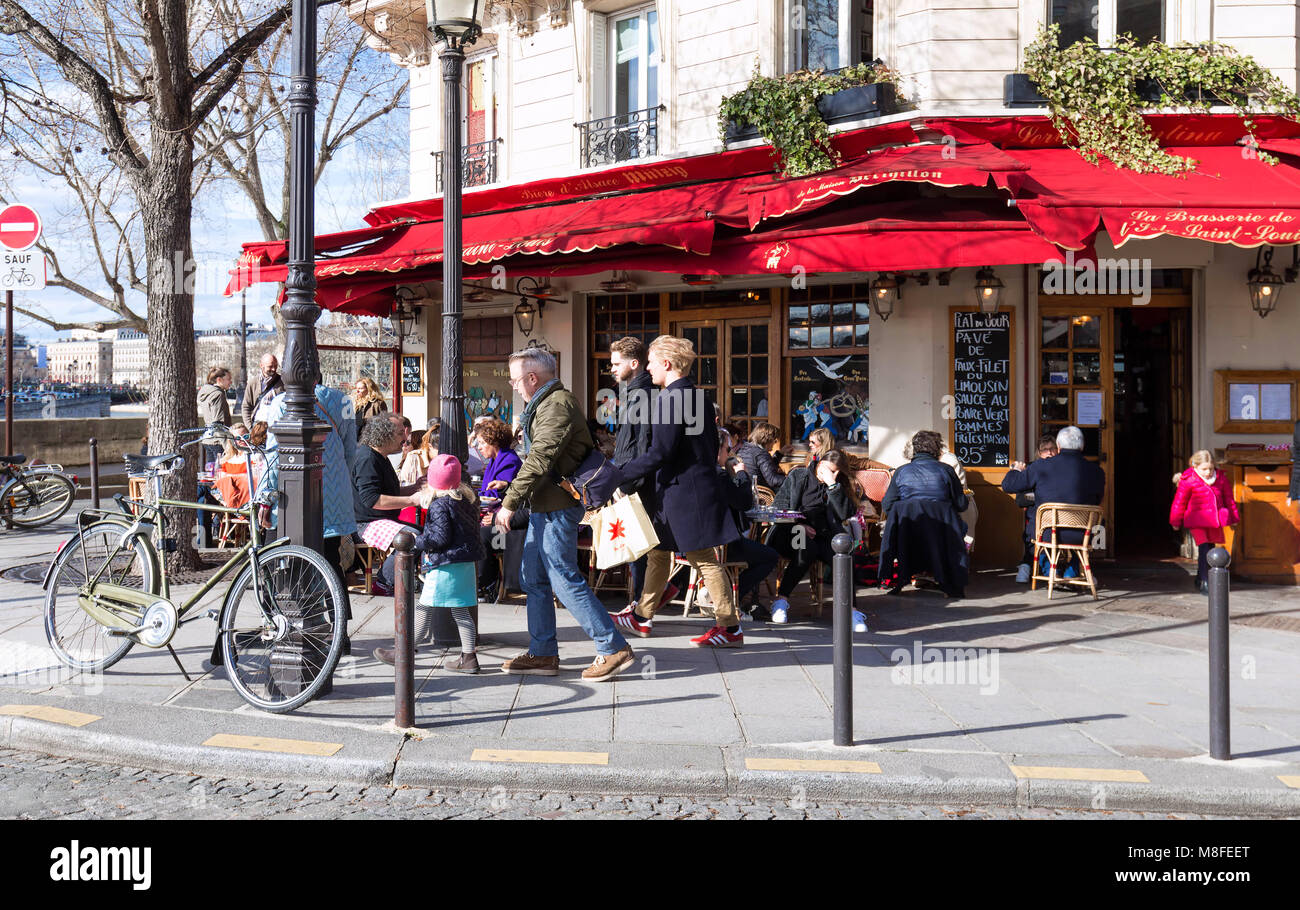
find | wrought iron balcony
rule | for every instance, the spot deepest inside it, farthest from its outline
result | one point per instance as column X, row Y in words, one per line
column 621, row 137
column 478, row 165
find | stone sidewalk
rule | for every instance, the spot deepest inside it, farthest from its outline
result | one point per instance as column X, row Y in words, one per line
column 1004, row 698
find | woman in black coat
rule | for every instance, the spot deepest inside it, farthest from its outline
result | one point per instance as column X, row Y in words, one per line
column 824, row 494
column 923, row 527
column 757, row 455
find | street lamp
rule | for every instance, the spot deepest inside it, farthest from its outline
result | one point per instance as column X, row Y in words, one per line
column 885, row 292
column 453, row 23
column 300, row 433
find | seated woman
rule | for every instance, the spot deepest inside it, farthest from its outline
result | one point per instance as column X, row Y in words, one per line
column 823, row 492
column 758, row 454
column 738, row 493
column 500, row 465
column 923, row 527
column 232, row 459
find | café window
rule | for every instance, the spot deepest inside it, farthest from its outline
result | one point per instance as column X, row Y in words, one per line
column 829, row 34
column 1103, row 20
column 486, row 371
column 611, row 317
column 827, row 354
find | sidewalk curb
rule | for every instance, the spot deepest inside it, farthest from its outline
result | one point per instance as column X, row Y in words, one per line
column 783, row 786
column 206, row 761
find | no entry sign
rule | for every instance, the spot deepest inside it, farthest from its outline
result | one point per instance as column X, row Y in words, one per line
column 20, row 227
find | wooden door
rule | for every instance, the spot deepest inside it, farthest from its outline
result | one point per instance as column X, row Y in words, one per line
column 732, row 365
column 1076, row 383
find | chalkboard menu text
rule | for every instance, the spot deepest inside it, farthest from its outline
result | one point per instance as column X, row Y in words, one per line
column 981, row 388
column 412, row 374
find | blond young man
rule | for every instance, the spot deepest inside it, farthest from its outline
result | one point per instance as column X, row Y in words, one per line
column 691, row 514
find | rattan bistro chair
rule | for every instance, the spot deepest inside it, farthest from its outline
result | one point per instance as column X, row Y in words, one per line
column 1056, row 516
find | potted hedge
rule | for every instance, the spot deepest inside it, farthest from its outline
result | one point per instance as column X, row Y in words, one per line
column 793, row 112
column 1096, row 96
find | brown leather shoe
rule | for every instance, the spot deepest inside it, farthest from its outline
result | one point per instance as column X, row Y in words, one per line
column 466, row 663
column 606, row 666
column 385, row 655
column 530, row 665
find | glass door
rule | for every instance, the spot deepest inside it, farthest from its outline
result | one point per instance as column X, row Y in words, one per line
column 732, row 366
column 1075, row 382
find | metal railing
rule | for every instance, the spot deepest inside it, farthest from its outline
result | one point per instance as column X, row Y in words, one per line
column 621, row 137
column 478, row 164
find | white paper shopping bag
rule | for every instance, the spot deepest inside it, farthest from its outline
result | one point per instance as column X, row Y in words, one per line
column 624, row 532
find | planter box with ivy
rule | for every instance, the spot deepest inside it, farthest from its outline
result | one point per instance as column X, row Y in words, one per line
column 1096, row 96
column 792, row 112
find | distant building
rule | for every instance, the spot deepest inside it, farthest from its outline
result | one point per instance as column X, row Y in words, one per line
column 130, row 358
column 86, row 357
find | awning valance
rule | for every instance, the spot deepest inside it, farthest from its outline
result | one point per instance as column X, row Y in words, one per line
column 940, row 165
column 1230, row 197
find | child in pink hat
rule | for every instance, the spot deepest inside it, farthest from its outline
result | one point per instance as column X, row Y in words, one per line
column 450, row 549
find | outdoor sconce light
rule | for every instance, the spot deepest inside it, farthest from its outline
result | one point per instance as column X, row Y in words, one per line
column 1263, row 283
column 988, row 290
column 525, row 313
column 453, row 21
column 403, row 317
column 885, row 293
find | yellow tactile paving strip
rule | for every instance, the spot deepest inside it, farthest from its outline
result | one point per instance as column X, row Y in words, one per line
column 271, row 744
column 541, row 757
column 52, row 714
column 1115, row 775
column 808, row 764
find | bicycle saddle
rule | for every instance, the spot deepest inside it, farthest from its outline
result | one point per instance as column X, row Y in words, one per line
column 139, row 464
column 13, row 459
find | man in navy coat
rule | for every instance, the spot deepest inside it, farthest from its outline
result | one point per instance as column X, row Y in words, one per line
column 691, row 515
column 1066, row 477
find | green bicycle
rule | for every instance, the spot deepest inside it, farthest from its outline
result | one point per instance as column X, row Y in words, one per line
column 282, row 620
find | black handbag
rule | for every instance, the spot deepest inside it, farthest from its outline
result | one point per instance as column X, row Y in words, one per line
column 594, row 480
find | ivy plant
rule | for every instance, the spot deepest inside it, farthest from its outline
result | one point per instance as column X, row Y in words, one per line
column 1092, row 94
column 784, row 111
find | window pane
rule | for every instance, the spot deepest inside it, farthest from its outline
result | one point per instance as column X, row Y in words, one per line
column 1087, row 332
column 739, row 340
column 627, row 62
column 739, row 403
column 1056, row 332
column 1056, row 404
column 842, row 336
column 758, row 339
column 1056, row 369
column 1087, row 369
column 652, row 64
column 1143, row 19
column 821, row 337
column 818, row 42
column 798, row 315
column 860, row 335
column 1077, row 18
column 758, row 371
column 798, row 338
column 833, row 394
column 740, row 371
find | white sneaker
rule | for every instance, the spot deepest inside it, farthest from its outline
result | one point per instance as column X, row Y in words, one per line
column 859, row 621
column 780, row 610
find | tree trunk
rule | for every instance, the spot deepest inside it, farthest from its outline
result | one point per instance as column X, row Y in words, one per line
column 166, row 210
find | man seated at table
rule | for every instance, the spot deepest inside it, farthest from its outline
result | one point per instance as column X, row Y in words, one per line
column 1025, row 500
column 376, row 490
column 1065, row 477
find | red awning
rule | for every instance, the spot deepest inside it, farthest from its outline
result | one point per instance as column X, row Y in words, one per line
column 940, row 165
column 1230, row 197
column 635, row 176
column 1037, row 132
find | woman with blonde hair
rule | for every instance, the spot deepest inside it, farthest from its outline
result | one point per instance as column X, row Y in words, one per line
column 417, row 461
column 367, row 401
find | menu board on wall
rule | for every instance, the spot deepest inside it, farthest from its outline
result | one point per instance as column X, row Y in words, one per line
column 981, row 388
column 412, row 374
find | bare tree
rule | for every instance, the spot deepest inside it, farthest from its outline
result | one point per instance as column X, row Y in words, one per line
column 130, row 73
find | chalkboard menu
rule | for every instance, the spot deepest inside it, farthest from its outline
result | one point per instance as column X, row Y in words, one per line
column 981, row 388
column 412, row 374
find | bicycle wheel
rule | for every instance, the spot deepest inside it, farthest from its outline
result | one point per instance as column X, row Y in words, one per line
column 37, row 499
column 278, row 659
column 75, row 636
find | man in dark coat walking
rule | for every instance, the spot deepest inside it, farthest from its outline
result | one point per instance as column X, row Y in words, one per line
column 691, row 514
column 627, row 359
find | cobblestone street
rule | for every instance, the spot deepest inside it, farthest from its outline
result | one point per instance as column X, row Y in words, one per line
column 42, row 786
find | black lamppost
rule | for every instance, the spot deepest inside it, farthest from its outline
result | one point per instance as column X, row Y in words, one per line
column 300, row 433
column 455, row 24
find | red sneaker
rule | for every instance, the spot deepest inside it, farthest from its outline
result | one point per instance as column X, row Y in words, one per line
column 719, row 637
column 627, row 620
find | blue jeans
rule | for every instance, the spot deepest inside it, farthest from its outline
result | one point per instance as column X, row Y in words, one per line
column 550, row 570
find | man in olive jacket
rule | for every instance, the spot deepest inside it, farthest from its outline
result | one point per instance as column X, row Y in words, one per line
column 556, row 440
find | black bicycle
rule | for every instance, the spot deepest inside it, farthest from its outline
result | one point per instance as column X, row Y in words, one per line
column 33, row 495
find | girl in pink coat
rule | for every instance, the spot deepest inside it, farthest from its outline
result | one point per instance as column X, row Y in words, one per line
column 1205, row 506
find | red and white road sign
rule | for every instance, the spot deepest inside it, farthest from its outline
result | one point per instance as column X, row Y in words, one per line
column 20, row 227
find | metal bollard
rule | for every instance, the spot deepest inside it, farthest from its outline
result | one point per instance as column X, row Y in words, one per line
column 94, row 473
column 1220, row 723
column 403, row 640
column 842, row 626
